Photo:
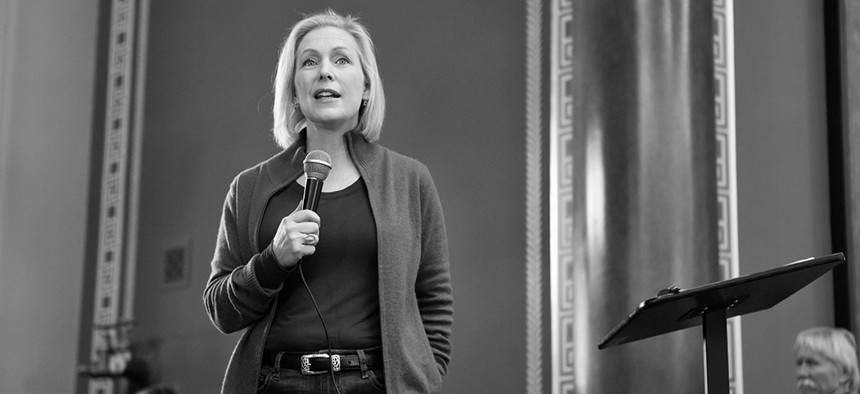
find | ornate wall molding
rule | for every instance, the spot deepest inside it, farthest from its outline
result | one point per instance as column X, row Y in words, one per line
column 727, row 200
column 561, row 259
column 115, row 258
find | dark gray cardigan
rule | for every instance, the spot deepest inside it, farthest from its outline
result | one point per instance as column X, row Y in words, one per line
column 415, row 301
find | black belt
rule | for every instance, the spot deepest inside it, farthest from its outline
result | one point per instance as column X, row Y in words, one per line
column 323, row 362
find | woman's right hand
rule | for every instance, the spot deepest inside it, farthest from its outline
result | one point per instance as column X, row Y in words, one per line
column 297, row 236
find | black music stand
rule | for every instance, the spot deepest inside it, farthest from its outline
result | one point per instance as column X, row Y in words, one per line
column 712, row 304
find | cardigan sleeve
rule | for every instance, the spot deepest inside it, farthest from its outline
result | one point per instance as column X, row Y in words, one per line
column 233, row 297
column 433, row 284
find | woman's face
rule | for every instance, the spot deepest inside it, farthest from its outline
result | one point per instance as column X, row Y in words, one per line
column 816, row 374
column 329, row 80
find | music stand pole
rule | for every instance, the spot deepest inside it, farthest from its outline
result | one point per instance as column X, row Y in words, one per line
column 716, row 351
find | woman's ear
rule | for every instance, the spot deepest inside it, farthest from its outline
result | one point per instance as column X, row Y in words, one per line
column 846, row 375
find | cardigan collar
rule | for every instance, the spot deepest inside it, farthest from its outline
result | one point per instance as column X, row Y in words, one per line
column 288, row 165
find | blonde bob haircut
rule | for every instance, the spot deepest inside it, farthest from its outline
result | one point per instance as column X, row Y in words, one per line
column 289, row 120
column 837, row 345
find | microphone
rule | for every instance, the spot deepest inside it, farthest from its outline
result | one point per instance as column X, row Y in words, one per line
column 317, row 166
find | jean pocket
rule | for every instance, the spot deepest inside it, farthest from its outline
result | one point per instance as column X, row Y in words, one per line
column 267, row 374
column 377, row 378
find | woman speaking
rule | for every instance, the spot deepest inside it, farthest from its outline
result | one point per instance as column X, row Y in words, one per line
column 354, row 297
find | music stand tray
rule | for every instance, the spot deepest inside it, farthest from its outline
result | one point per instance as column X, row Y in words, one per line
column 710, row 305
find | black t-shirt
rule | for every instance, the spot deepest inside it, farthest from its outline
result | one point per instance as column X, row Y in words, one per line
column 342, row 274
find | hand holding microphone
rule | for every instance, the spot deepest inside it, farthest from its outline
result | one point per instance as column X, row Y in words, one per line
column 298, row 233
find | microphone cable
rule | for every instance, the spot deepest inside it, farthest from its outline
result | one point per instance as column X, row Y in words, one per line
column 325, row 329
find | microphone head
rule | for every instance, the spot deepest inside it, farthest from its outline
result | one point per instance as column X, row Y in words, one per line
column 317, row 164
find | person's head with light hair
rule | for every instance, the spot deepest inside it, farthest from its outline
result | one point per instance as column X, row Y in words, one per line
column 289, row 110
column 826, row 361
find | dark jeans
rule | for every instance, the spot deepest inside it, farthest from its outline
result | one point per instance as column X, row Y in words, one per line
column 283, row 381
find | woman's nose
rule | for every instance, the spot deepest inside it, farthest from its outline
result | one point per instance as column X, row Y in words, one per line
column 325, row 73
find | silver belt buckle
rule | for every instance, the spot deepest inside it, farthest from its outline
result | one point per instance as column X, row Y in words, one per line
column 306, row 363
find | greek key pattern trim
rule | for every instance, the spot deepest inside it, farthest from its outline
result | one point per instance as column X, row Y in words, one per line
column 114, row 177
column 727, row 230
column 562, row 262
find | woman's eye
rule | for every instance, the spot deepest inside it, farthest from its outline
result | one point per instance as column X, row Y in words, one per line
column 309, row 62
column 342, row 60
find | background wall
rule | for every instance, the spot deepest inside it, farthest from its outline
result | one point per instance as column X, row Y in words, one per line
column 783, row 206
column 47, row 68
column 445, row 100
column 454, row 78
